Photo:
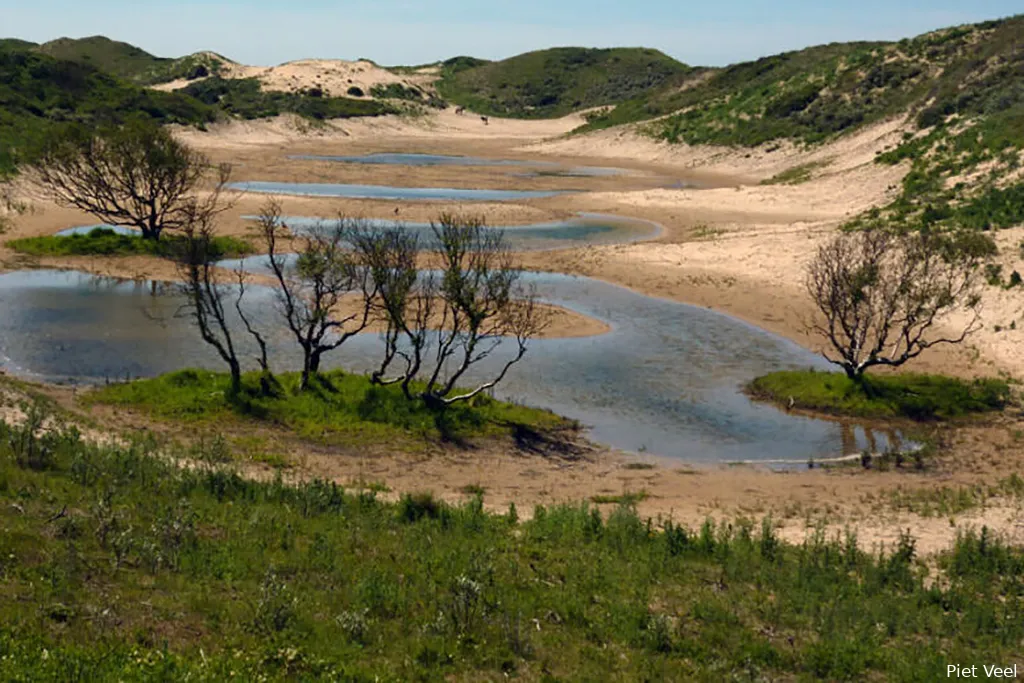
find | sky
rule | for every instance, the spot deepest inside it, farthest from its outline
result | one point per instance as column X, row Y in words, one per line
column 392, row 32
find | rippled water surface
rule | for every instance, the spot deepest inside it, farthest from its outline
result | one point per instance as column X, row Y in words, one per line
column 353, row 191
column 667, row 379
column 585, row 229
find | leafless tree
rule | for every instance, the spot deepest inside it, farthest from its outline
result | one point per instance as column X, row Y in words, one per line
column 136, row 175
column 880, row 297
column 440, row 323
column 10, row 205
column 313, row 286
column 204, row 291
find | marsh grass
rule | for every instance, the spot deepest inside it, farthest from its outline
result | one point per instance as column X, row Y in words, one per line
column 117, row 565
column 106, row 242
column 339, row 407
column 905, row 395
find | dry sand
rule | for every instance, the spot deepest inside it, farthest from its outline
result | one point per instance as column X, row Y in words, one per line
column 334, row 76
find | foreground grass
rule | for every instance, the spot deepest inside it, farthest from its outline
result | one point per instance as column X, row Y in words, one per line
column 118, row 565
column 106, row 242
column 338, row 407
column 914, row 396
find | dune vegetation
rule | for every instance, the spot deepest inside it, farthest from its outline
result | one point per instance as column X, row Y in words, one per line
column 120, row 564
column 555, row 82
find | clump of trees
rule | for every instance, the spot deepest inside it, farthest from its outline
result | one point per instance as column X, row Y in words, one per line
column 346, row 276
column 883, row 298
column 441, row 322
column 136, row 175
column 313, row 284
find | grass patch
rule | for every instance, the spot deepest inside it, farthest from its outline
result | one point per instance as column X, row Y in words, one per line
column 625, row 499
column 118, row 566
column 914, row 396
column 106, row 242
column 795, row 175
column 338, row 408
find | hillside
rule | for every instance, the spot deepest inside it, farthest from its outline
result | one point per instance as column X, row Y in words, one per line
column 116, row 58
column 960, row 91
column 555, row 82
column 38, row 92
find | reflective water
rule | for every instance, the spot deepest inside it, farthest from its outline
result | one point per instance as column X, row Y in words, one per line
column 86, row 229
column 353, row 191
column 666, row 379
column 586, row 229
column 401, row 159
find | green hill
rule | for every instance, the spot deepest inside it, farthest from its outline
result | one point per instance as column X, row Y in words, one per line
column 132, row 63
column 962, row 89
column 117, row 58
column 38, row 92
column 15, row 44
column 555, row 82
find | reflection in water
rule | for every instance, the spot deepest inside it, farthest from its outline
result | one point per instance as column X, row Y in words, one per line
column 667, row 378
column 354, row 191
column 587, row 229
column 401, row 159
column 86, row 229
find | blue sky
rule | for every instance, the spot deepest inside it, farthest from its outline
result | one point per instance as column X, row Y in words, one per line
column 711, row 32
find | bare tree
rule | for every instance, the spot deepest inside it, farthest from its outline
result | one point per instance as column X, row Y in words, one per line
column 136, row 175
column 10, row 205
column 205, row 292
column 441, row 323
column 880, row 297
column 312, row 287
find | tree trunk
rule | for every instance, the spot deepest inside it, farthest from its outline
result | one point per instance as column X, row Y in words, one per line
column 236, row 377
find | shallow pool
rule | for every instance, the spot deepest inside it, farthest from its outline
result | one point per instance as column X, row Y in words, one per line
column 402, row 159
column 575, row 232
column 353, row 191
column 667, row 379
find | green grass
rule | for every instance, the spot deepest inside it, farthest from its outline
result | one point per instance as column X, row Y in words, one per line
column 339, row 408
column 795, row 175
column 105, row 242
column 627, row 499
column 914, row 396
column 555, row 82
column 117, row 566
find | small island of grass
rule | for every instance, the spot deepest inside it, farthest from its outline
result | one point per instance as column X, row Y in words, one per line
column 910, row 395
column 337, row 407
column 106, row 242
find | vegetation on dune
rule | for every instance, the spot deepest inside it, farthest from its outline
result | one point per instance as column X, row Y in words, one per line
column 397, row 91
column 111, row 56
column 106, row 242
column 40, row 93
column 906, row 395
column 555, row 82
column 119, row 565
column 130, row 62
column 335, row 408
column 245, row 97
